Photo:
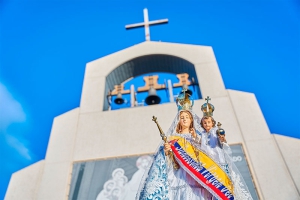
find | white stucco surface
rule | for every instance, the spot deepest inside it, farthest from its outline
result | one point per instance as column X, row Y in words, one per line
column 201, row 56
column 210, row 79
column 62, row 138
column 55, row 180
column 264, row 155
column 270, row 170
column 120, row 132
column 24, row 184
column 290, row 151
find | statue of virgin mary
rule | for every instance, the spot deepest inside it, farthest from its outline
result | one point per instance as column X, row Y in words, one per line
column 195, row 163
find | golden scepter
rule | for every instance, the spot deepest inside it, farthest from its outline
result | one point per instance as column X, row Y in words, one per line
column 164, row 138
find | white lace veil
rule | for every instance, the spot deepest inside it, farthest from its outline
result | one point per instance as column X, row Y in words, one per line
column 159, row 152
column 241, row 191
column 196, row 120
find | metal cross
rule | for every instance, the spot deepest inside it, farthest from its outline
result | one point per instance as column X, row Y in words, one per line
column 207, row 99
column 146, row 24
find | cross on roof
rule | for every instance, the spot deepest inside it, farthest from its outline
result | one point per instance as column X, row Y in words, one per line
column 146, row 24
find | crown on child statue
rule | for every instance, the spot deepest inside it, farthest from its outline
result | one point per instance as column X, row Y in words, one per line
column 184, row 101
column 207, row 108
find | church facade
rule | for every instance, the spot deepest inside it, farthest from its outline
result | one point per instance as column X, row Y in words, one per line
column 93, row 135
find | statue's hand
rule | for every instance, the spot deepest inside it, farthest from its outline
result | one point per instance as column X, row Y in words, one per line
column 192, row 131
column 222, row 138
column 167, row 148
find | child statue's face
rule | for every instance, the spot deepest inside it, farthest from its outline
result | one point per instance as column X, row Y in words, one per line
column 207, row 124
column 185, row 120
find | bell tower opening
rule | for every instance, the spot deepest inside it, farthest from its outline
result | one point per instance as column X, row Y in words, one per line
column 149, row 80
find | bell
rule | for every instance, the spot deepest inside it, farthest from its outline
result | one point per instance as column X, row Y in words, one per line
column 152, row 97
column 187, row 90
column 119, row 100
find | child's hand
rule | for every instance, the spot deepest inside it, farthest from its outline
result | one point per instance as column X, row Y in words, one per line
column 222, row 138
column 167, row 148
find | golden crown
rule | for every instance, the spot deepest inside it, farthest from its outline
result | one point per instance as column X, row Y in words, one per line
column 207, row 108
column 184, row 101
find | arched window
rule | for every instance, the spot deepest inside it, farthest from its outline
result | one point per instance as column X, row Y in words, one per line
column 138, row 70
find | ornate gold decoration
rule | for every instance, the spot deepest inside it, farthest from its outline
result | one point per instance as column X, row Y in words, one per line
column 119, row 89
column 207, row 108
column 184, row 101
column 151, row 81
column 183, row 80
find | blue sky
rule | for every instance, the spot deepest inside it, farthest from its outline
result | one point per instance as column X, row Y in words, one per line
column 44, row 46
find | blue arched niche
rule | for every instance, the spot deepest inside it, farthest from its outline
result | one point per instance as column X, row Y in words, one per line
column 148, row 64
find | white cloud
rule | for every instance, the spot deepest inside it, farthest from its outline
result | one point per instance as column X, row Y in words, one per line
column 11, row 112
column 19, row 146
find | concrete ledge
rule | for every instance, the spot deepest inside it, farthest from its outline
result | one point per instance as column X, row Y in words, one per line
column 24, row 184
column 55, row 181
column 290, row 150
column 62, row 138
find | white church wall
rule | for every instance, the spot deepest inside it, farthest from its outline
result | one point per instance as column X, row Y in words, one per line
column 210, row 80
column 270, row 170
column 24, row 184
column 249, row 115
column 92, row 94
column 195, row 54
column 59, row 157
column 55, row 181
column 290, row 150
column 121, row 132
column 201, row 56
column 62, row 138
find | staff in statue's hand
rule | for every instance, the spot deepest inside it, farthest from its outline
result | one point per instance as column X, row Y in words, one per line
column 167, row 146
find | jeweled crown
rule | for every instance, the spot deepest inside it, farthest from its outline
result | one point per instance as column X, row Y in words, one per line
column 207, row 108
column 184, row 101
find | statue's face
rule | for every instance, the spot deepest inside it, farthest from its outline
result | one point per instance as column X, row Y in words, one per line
column 207, row 124
column 185, row 120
